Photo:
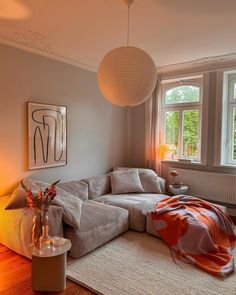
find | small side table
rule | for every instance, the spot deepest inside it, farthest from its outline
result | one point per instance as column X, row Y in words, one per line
column 49, row 269
column 178, row 190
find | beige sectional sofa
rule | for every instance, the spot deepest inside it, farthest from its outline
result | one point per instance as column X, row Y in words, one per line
column 103, row 214
column 99, row 224
column 106, row 215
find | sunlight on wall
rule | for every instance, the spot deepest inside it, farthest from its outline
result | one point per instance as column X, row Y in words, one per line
column 12, row 9
column 9, row 174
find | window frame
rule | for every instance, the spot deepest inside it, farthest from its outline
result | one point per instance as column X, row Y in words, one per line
column 201, row 81
column 227, row 137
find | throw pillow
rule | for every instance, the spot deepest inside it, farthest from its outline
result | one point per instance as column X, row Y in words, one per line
column 126, row 181
column 151, row 183
column 18, row 197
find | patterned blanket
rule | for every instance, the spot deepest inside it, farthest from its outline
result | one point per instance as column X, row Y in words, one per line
column 198, row 232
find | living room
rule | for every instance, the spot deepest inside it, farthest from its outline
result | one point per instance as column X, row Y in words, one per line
column 183, row 130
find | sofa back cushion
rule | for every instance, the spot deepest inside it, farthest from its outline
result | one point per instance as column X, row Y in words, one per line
column 150, row 181
column 76, row 188
column 98, row 185
column 126, row 181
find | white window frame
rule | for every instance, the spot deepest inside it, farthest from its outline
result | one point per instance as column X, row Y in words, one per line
column 201, row 81
column 224, row 118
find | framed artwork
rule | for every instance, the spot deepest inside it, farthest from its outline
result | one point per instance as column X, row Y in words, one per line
column 47, row 135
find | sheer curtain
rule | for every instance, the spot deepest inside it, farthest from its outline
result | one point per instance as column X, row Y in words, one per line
column 152, row 136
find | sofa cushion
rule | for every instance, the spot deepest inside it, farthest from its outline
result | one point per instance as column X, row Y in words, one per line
column 98, row 185
column 76, row 188
column 125, row 181
column 150, row 229
column 99, row 224
column 137, row 204
column 150, row 181
column 18, row 197
column 70, row 205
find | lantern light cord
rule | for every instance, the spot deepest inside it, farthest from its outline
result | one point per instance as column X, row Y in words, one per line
column 128, row 27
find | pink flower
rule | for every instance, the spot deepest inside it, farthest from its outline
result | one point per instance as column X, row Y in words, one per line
column 52, row 192
column 174, row 173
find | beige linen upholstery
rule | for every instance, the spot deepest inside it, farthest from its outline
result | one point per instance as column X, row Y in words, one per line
column 149, row 226
column 99, row 224
column 98, row 185
column 150, row 181
column 137, row 204
column 76, row 188
column 18, row 198
column 15, row 226
column 70, row 204
column 125, row 181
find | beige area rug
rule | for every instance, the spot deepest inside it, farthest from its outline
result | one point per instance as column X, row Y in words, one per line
column 140, row 264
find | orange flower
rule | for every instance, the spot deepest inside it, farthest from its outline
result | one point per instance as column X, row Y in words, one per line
column 38, row 202
column 40, row 195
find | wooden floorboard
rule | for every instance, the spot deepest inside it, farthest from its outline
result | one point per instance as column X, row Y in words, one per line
column 15, row 276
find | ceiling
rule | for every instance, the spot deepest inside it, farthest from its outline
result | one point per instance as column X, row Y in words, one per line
column 83, row 31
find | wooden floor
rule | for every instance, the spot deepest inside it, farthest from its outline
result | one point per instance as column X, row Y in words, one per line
column 15, row 276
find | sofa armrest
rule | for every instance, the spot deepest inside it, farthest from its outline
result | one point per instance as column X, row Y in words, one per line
column 162, row 184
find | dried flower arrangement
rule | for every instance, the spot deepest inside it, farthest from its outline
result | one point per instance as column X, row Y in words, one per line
column 39, row 202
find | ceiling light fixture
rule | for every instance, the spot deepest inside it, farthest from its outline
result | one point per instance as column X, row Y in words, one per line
column 127, row 75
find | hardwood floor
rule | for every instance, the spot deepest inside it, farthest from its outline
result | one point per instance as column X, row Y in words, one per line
column 15, row 276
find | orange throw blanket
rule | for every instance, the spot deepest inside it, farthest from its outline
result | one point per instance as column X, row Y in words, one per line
column 198, row 232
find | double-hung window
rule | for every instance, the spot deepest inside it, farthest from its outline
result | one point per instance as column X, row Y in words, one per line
column 228, row 144
column 181, row 123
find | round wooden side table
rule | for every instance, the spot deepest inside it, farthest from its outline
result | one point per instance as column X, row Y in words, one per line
column 49, row 268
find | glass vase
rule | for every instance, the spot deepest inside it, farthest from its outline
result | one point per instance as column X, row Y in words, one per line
column 36, row 229
column 45, row 239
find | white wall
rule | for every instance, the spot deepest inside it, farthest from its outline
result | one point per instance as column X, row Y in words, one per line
column 97, row 133
column 137, row 145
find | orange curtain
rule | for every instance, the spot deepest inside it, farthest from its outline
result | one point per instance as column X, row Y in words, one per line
column 152, row 138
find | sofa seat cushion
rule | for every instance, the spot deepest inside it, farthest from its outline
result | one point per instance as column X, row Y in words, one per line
column 99, row 224
column 150, row 229
column 137, row 204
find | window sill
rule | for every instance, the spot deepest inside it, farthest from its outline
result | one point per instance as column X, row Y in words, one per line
column 185, row 163
column 231, row 166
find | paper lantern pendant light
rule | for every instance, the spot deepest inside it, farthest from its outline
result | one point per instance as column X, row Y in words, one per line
column 127, row 75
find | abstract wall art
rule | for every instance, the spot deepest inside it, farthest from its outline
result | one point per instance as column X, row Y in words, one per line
column 47, row 135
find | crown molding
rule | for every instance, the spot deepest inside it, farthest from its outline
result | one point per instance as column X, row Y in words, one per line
column 199, row 65
column 38, row 43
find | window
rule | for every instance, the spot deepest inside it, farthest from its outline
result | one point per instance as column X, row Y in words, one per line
column 228, row 150
column 181, row 119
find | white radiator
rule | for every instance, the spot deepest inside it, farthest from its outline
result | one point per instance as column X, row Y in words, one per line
column 208, row 185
